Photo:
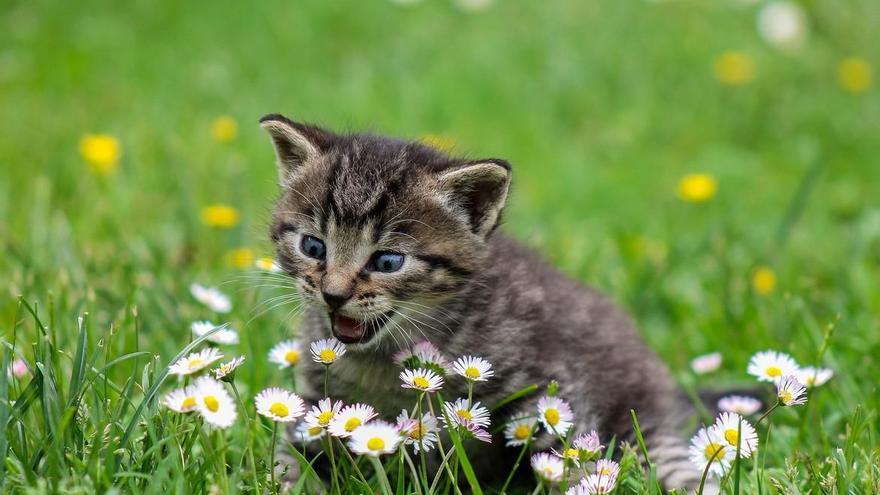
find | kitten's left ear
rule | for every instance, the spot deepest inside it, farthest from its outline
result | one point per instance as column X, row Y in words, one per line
column 479, row 188
column 295, row 143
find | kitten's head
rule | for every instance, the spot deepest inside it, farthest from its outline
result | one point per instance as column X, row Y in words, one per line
column 371, row 227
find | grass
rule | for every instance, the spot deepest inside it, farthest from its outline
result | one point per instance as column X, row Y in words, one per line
column 601, row 107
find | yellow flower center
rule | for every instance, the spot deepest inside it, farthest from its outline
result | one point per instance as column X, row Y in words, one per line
column 211, row 403
column 785, row 396
column 548, row 472
column 418, row 432
column 552, row 416
column 279, row 409
column 325, row 417
column 472, row 373
column 188, row 403
column 195, row 363
column 375, row 443
column 292, row 357
column 774, row 371
column 327, row 356
column 731, row 436
column 464, row 414
column 352, row 423
column 421, row 382
column 714, row 451
column 810, row 380
column 315, row 430
column 102, row 153
column 734, row 68
column 265, row 263
column 764, row 280
column 573, row 453
column 604, row 471
column 522, row 432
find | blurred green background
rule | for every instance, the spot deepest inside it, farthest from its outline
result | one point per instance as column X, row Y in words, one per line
column 602, row 107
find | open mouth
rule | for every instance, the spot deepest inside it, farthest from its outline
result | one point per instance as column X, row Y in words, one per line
column 352, row 331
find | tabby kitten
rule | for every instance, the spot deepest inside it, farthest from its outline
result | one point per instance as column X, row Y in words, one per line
column 391, row 242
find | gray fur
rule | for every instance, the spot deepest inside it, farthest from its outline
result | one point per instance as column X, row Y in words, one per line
column 467, row 288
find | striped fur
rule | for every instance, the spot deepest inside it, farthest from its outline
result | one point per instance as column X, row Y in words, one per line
column 463, row 286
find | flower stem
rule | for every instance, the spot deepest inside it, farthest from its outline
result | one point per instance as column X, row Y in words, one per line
column 334, row 483
column 326, row 380
column 519, row 458
column 767, row 413
column 249, row 446
column 272, row 456
column 706, row 470
column 380, row 473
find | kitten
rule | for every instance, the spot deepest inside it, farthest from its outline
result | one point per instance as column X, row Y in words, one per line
column 391, row 242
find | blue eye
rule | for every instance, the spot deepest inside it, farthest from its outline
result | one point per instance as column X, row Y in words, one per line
column 313, row 247
column 387, row 262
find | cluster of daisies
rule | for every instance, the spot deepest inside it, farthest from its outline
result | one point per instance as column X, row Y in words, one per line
column 715, row 447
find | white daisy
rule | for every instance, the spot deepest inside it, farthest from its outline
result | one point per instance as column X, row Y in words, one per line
column 280, row 405
column 739, row 404
column 375, row 439
column 214, row 402
column 519, row 430
column 424, row 354
column 195, row 362
column 555, row 414
column 460, row 413
column 321, row 415
column 285, row 354
column 226, row 371
column 706, row 363
column 418, row 434
column 728, row 424
column 708, row 446
column 349, row 419
column 476, row 431
column 606, row 468
column 326, row 351
column 211, row 297
column 783, row 25
column 473, row 368
column 770, row 365
column 813, row 377
column 181, row 400
column 594, row 484
column 267, row 264
column 547, row 467
column 588, row 443
column 305, row 433
column 790, row 391
column 224, row 336
column 421, row 379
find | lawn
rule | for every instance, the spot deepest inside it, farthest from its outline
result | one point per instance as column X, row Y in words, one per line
column 606, row 109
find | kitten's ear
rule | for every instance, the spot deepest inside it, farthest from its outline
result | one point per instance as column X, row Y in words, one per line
column 479, row 188
column 295, row 143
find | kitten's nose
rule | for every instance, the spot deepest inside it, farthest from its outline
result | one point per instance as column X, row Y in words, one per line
column 335, row 300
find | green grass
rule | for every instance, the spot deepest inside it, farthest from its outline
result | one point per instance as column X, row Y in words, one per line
column 600, row 106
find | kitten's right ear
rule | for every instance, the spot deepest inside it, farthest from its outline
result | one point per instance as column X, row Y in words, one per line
column 295, row 143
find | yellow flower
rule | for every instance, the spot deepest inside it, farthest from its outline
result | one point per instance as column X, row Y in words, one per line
column 439, row 141
column 240, row 258
column 697, row 188
column 734, row 68
column 224, row 129
column 764, row 280
column 101, row 151
column 219, row 216
column 854, row 74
